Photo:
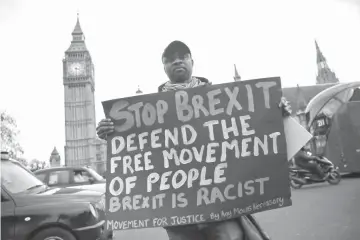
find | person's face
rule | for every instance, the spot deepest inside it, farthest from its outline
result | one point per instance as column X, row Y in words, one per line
column 178, row 67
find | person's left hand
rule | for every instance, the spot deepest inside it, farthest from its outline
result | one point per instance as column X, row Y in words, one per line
column 285, row 107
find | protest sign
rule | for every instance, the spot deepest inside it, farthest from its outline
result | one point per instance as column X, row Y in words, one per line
column 196, row 155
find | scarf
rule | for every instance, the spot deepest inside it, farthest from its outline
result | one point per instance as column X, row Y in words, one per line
column 195, row 82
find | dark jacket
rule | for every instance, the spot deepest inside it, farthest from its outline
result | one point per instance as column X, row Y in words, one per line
column 302, row 157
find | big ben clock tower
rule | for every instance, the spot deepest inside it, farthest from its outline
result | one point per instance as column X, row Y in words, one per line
column 79, row 87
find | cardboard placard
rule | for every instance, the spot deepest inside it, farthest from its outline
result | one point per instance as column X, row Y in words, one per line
column 196, row 155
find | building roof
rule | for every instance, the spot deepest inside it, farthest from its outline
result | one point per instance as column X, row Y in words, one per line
column 319, row 56
column 77, row 29
column 55, row 152
column 78, row 41
column 298, row 96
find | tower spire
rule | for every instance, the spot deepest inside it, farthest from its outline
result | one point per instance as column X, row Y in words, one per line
column 54, row 158
column 236, row 76
column 78, row 38
column 325, row 75
column 319, row 56
column 77, row 29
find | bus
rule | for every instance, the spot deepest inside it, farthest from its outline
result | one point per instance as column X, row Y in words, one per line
column 336, row 126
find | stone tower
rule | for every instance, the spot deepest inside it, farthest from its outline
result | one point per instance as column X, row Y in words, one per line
column 236, row 76
column 325, row 75
column 79, row 87
column 55, row 158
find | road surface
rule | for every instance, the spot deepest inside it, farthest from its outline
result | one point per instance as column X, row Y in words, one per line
column 319, row 212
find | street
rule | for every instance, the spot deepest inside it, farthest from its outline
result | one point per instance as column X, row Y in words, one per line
column 321, row 212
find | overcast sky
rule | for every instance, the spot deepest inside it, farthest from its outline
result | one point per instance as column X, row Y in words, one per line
column 126, row 38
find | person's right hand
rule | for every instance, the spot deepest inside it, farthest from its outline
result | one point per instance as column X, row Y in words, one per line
column 105, row 127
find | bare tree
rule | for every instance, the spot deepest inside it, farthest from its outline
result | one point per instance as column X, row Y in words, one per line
column 9, row 133
column 36, row 164
column 23, row 161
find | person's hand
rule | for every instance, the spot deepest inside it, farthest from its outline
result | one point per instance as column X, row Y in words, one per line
column 285, row 107
column 105, row 127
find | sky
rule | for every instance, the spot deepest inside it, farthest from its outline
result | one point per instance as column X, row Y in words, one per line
column 126, row 39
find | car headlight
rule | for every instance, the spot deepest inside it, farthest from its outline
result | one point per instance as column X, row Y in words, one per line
column 93, row 211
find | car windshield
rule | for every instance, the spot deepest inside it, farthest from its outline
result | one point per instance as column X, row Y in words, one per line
column 95, row 175
column 16, row 179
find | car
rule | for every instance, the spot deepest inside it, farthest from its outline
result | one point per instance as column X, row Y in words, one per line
column 73, row 177
column 31, row 210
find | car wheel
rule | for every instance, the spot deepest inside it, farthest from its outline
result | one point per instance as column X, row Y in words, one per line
column 54, row 233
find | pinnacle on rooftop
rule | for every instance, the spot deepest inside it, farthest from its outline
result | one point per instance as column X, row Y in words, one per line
column 236, row 76
column 138, row 90
column 55, row 152
column 77, row 29
column 319, row 56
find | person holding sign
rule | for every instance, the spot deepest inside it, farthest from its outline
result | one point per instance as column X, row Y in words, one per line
column 178, row 65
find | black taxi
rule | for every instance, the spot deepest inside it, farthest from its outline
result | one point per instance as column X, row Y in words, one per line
column 33, row 211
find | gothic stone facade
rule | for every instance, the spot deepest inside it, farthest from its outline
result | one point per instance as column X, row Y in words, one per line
column 82, row 148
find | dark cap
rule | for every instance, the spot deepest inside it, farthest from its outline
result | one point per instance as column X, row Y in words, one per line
column 176, row 47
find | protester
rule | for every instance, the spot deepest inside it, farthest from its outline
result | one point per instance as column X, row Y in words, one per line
column 178, row 65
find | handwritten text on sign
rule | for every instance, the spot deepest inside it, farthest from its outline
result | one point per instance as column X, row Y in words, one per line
column 196, row 155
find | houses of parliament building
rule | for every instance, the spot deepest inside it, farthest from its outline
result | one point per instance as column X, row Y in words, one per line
column 84, row 148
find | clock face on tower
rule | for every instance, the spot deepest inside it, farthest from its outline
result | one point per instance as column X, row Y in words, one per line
column 76, row 69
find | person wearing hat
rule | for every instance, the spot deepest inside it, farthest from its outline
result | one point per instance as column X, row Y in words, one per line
column 178, row 65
